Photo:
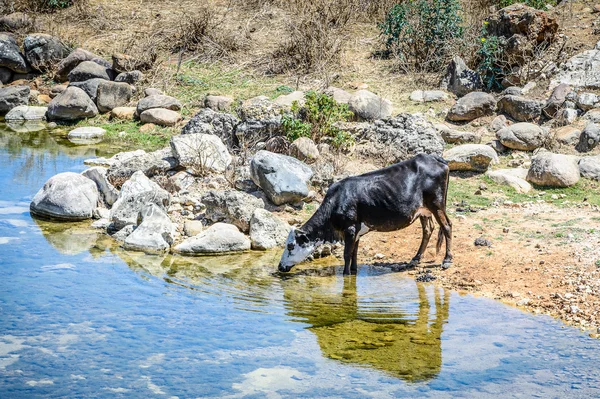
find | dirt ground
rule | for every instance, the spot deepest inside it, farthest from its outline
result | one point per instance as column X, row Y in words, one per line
column 542, row 259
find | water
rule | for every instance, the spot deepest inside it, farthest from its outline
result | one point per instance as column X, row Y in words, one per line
column 80, row 317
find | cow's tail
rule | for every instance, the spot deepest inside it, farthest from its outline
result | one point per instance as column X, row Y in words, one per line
column 440, row 239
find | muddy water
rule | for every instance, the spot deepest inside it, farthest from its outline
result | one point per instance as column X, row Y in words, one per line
column 80, row 317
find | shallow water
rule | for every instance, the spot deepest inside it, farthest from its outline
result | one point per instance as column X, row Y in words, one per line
column 81, row 318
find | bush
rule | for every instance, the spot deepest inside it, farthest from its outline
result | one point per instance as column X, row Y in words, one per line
column 539, row 4
column 317, row 118
column 421, row 33
column 47, row 5
column 488, row 54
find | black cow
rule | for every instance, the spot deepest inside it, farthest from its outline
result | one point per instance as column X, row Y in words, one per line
column 387, row 199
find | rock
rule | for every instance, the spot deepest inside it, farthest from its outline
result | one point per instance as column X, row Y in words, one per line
column 555, row 170
column 305, row 150
column 482, row 242
column 514, row 178
column 218, row 103
column 202, row 153
column 400, row 138
column 220, row 238
column 158, row 101
column 513, row 91
column 472, row 106
column 592, row 116
column 125, row 63
column 369, row 106
column 86, row 135
column 589, row 138
column 10, row 57
column 135, row 195
column 231, row 206
column 475, row 157
column 260, row 120
column 522, row 136
column 581, row 71
column 220, row 124
column 567, row 135
column 519, row 108
column 66, row 196
column 151, row 164
column 75, row 58
column 192, row 227
column 43, row 51
column 459, row 79
column 71, row 104
column 589, row 167
column 428, row 96
column 13, row 96
column 283, row 179
column 15, row 22
column 112, row 95
column 87, row 70
column 288, row 99
column 498, row 123
column 107, row 191
column 147, row 127
column 151, row 91
column 43, row 99
column 90, row 87
column 5, row 76
column 160, row 116
column 267, row 231
column 130, row 77
column 123, row 113
column 452, row 136
column 556, row 100
column 26, row 113
column 122, row 234
column 566, row 117
column 115, row 159
column 586, row 101
column 340, row 96
column 497, row 146
column 155, row 232
column 278, row 145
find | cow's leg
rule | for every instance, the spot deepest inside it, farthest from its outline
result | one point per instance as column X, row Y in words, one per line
column 446, row 230
column 349, row 244
column 427, row 227
column 354, row 265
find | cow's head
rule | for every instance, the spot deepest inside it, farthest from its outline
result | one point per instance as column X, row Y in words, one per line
column 298, row 247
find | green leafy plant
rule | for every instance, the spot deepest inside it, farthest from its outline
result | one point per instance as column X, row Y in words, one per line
column 421, row 32
column 539, row 4
column 489, row 53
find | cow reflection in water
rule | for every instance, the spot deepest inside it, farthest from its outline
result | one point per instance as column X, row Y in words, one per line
column 403, row 345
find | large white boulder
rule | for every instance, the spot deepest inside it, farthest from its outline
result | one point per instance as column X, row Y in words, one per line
column 66, row 196
column 220, row 238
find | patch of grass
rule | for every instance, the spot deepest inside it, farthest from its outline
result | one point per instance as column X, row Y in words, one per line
column 597, row 263
column 477, row 226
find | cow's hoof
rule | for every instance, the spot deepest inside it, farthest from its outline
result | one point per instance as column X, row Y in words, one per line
column 413, row 263
column 446, row 265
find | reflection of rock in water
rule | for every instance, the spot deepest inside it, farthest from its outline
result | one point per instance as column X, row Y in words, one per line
column 406, row 346
column 68, row 238
column 26, row 126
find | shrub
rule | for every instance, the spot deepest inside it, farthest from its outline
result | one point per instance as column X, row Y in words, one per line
column 317, row 118
column 539, row 4
column 489, row 69
column 47, row 5
column 421, row 32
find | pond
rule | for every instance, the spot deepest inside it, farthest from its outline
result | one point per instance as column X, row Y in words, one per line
column 80, row 317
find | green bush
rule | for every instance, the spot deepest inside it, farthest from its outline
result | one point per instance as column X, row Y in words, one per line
column 489, row 53
column 316, row 119
column 421, row 32
column 539, row 4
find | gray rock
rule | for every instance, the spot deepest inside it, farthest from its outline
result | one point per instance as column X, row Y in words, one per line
column 135, row 195
column 87, row 70
column 555, row 170
column 305, row 150
column 582, row 70
column 155, row 231
column 114, row 160
column 122, row 166
column 475, row 157
column 15, row 22
column 459, row 79
column 589, row 138
column 13, row 96
column 231, row 206
column 267, row 230
column 66, row 196
column 218, row 103
column 369, row 106
column 160, row 116
column 71, row 104
column 56, row 90
column 260, row 120
column 26, row 113
column 340, row 96
column 497, row 146
column 130, row 77
column 567, row 135
column 5, row 76
column 453, row 136
column 107, row 191
column 43, row 51
column 193, row 227
column 586, row 101
column 75, row 58
column 158, row 101
column 428, row 96
column 201, row 153
column 288, row 99
column 513, row 91
column 220, row 238
column 283, row 179
column 400, row 138
column 514, row 178
column 122, row 234
column 278, row 144
column 592, row 116
column 151, row 91
column 589, row 167
column 556, row 100
column 519, row 108
column 87, row 133
column 112, row 95
column 566, row 117
column 498, row 123
column 472, row 106
column 90, row 87
column 522, row 136
column 220, row 124
column 10, row 57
